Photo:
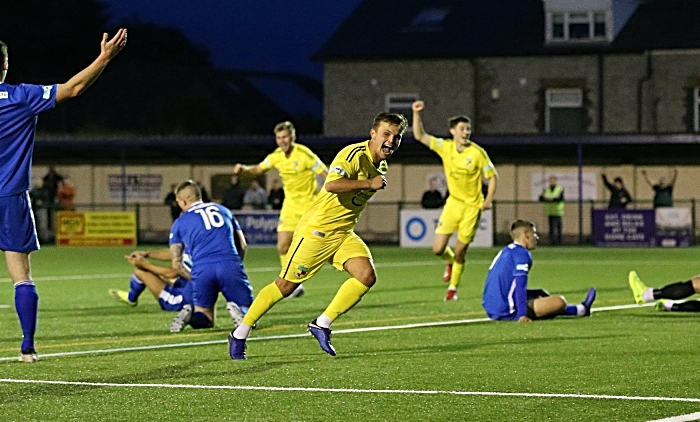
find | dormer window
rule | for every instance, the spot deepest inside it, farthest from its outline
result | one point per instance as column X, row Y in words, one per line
column 578, row 26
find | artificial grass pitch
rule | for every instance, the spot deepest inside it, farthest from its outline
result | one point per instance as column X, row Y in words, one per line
column 103, row 360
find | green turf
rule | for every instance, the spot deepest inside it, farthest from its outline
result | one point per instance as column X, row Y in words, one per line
column 636, row 352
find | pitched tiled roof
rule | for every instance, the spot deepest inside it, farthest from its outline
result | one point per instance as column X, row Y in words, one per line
column 392, row 29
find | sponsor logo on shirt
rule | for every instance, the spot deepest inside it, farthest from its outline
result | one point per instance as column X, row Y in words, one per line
column 522, row 267
column 4, row 96
column 339, row 170
column 47, row 92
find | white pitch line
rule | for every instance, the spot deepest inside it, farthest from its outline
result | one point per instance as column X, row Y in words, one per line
column 4, row 306
column 680, row 418
column 249, row 270
column 355, row 390
column 290, row 336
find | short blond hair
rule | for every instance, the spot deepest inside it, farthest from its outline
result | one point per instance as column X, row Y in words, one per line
column 286, row 125
column 188, row 190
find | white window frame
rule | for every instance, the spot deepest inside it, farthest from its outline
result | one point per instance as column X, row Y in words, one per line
column 401, row 101
column 696, row 109
column 571, row 18
column 551, row 102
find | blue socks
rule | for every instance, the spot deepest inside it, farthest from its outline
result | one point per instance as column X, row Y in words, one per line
column 26, row 304
column 199, row 320
column 571, row 310
column 136, row 287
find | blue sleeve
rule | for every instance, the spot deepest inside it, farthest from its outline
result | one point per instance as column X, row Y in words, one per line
column 40, row 97
column 236, row 226
column 175, row 236
column 520, row 296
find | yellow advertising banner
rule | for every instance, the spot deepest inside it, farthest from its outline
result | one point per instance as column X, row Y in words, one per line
column 96, row 228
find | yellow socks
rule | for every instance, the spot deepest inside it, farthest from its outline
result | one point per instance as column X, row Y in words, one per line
column 349, row 294
column 265, row 300
column 448, row 255
column 457, row 271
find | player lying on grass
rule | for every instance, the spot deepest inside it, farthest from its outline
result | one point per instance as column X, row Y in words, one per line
column 171, row 290
column 667, row 295
column 506, row 296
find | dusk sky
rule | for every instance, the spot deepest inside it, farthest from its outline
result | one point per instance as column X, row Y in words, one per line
column 275, row 35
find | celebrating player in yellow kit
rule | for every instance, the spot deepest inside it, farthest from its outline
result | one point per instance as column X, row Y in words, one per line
column 326, row 233
column 465, row 164
column 298, row 167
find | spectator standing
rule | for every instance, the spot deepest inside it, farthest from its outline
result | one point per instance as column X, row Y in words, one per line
column 619, row 197
column 432, row 198
column 50, row 183
column 233, row 195
column 205, row 195
column 553, row 198
column 171, row 201
column 663, row 190
column 66, row 195
column 255, row 197
column 276, row 196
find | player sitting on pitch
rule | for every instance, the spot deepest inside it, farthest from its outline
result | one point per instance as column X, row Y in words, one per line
column 668, row 294
column 506, row 296
column 167, row 287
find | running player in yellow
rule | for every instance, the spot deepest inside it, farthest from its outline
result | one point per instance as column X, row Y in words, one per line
column 466, row 164
column 298, row 167
column 325, row 233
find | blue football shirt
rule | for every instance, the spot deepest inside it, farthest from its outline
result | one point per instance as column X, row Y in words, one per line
column 207, row 231
column 500, row 299
column 19, row 107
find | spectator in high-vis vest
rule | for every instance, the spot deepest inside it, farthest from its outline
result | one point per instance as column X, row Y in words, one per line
column 553, row 198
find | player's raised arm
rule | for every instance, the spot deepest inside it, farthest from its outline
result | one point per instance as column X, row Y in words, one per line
column 418, row 133
column 83, row 79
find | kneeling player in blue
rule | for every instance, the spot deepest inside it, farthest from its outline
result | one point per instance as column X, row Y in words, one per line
column 212, row 237
column 506, row 296
column 170, row 290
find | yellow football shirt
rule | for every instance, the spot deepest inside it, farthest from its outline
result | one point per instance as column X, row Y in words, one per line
column 298, row 173
column 338, row 213
column 464, row 170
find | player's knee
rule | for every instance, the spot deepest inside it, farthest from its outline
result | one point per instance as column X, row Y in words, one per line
column 283, row 249
column 696, row 283
column 199, row 320
column 559, row 302
column 286, row 287
column 438, row 250
column 367, row 277
column 139, row 273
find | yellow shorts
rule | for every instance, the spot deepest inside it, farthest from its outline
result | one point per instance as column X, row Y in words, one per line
column 460, row 217
column 289, row 217
column 308, row 254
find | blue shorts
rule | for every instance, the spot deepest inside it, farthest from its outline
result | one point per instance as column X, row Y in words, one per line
column 175, row 295
column 227, row 277
column 17, row 227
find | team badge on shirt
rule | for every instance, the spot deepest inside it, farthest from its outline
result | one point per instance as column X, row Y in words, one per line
column 302, row 270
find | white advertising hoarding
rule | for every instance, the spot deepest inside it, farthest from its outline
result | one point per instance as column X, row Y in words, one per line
column 418, row 229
